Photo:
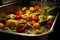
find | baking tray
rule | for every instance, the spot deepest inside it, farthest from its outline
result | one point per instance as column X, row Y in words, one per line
column 3, row 8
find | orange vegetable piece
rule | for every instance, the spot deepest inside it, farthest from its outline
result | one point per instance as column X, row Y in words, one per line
column 36, row 26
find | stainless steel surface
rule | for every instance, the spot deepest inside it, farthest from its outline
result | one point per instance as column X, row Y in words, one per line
column 8, row 4
column 7, row 1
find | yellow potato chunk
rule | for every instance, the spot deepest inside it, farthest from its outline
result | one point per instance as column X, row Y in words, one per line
column 28, row 11
column 24, row 8
column 1, row 25
column 11, row 22
column 38, row 31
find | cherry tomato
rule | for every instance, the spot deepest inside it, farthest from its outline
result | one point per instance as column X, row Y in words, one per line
column 17, row 13
column 17, row 17
column 35, row 18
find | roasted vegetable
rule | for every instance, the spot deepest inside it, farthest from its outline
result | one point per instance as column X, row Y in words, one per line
column 17, row 17
column 8, row 29
column 27, row 11
column 36, row 14
column 24, row 8
column 29, row 18
column 36, row 7
column 3, row 20
column 11, row 22
column 31, row 8
column 24, row 17
column 41, row 17
column 10, row 16
column 46, row 8
column 42, row 22
column 50, row 17
column 23, row 12
column 52, row 11
column 49, row 23
column 12, row 27
column 35, row 18
column 1, row 25
column 17, row 13
column 38, row 31
column 21, row 28
column 36, row 26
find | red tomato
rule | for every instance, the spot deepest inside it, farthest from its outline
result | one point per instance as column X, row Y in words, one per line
column 17, row 13
column 17, row 17
column 35, row 18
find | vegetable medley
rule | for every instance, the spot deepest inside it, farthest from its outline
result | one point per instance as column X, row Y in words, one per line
column 29, row 20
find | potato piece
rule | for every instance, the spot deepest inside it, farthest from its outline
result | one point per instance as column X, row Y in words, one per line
column 36, row 26
column 50, row 17
column 28, row 11
column 31, row 8
column 38, row 31
column 24, row 8
column 11, row 22
column 1, row 25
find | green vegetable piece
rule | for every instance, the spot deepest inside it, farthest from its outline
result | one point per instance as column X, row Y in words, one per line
column 36, row 14
column 51, row 9
column 24, row 17
column 29, row 26
column 42, row 21
column 8, row 29
column 41, row 17
column 10, row 16
column 23, row 22
column 12, row 28
column 46, row 7
column 50, row 17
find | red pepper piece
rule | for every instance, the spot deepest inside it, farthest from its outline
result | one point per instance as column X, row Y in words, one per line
column 3, row 20
column 35, row 18
column 49, row 23
column 21, row 27
column 17, row 13
column 17, row 17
